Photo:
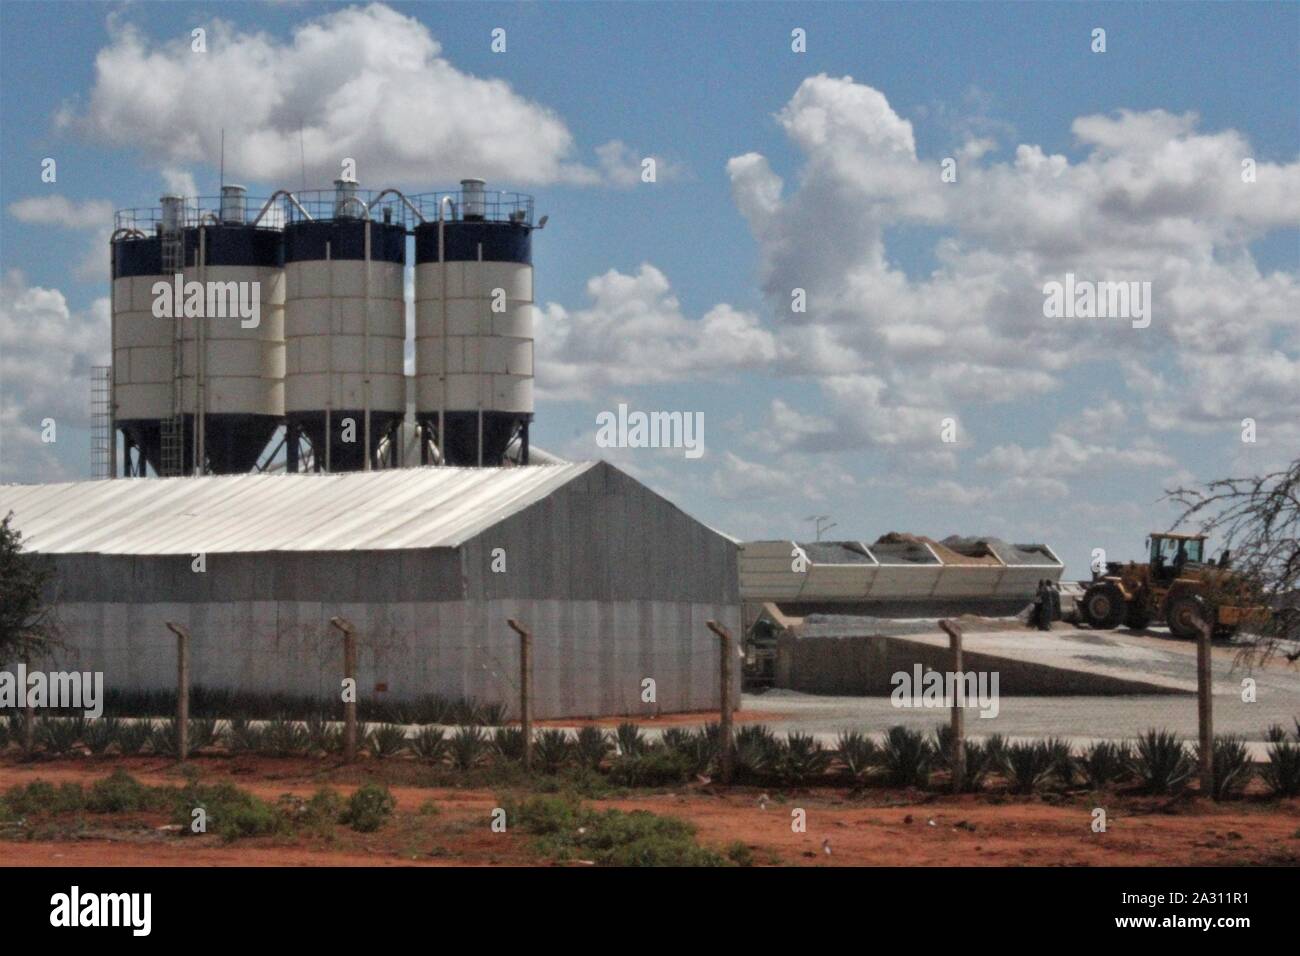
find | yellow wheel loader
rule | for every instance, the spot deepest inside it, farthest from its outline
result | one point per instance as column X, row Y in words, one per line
column 1176, row 586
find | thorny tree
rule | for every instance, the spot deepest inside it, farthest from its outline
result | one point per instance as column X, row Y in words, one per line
column 26, row 620
column 1259, row 521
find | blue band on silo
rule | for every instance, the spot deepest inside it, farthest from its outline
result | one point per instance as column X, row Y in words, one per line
column 502, row 242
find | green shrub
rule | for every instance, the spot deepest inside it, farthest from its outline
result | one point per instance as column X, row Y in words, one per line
column 1105, row 763
column 387, row 740
column 1028, row 765
column 979, row 760
column 231, row 813
column 1161, row 762
column 740, row 854
column 592, row 747
column 430, row 744
column 119, row 792
column 41, row 798
column 609, row 838
column 656, row 768
column 162, row 738
column 1232, row 765
column 204, row 733
column 552, row 749
column 907, row 757
column 368, row 807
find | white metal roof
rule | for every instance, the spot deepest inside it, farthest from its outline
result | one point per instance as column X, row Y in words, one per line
column 357, row 511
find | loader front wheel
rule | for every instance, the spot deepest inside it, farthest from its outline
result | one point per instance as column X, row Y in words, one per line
column 1103, row 606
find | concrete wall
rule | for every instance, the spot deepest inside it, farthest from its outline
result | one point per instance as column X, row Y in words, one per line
column 589, row 656
column 863, row 666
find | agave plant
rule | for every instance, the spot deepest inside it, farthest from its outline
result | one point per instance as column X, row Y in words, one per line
column 631, row 743
column 1028, row 765
column 5, row 732
column 162, row 738
column 758, row 752
column 508, row 742
column 59, row 735
column 553, row 749
column 322, row 735
column 493, row 714
column 387, row 740
column 468, row 747
column 282, row 737
column 591, row 747
column 978, row 759
column 430, row 744
column 1282, row 772
column 676, row 738
column 907, row 757
column 133, row 735
column 700, row 750
column 1105, row 763
column 1232, row 765
column 1064, row 766
column 857, row 752
column 205, row 732
column 1161, row 762
column 100, row 734
column 243, row 737
column 803, row 758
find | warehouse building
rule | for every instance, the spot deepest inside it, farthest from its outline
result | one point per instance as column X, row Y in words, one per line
column 614, row 582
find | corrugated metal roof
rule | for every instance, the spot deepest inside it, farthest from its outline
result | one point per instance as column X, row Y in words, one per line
column 358, row 511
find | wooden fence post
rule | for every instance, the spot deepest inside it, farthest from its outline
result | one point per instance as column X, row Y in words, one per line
column 349, row 673
column 1205, row 706
column 725, row 736
column 525, row 681
column 182, row 689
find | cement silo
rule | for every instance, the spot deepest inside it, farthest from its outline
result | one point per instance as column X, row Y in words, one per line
column 345, row 325
column 474, row 323
column 198, row 336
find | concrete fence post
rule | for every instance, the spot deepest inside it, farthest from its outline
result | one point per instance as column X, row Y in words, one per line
column 349, row 633
column 182, row 689
column 958, row 709
column 1205, row 706
column 525, row 682
column 29, row 721
column 725, row 737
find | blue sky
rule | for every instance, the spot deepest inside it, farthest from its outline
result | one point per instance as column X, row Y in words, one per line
column 1108, row 418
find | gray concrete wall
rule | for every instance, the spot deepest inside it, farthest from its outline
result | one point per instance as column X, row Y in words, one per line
column 850, row 666
column 589, row 657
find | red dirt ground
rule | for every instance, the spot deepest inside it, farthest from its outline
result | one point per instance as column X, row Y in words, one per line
column 876, row 827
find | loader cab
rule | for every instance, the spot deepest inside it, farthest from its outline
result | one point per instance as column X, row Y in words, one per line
column 1170, row 553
